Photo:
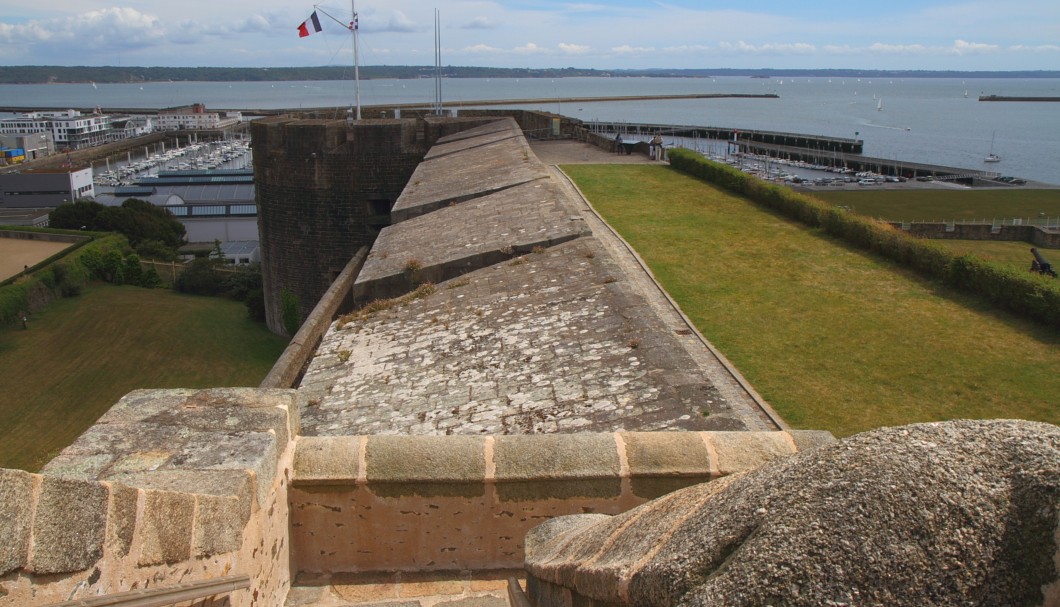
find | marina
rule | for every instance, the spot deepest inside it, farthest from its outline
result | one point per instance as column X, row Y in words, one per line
column 231, row 154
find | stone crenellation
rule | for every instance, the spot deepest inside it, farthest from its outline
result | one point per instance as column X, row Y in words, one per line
column 451, row 503
column 1035, row 235
column 169, row 487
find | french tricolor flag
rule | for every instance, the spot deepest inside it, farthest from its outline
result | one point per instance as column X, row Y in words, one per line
column 309, row 26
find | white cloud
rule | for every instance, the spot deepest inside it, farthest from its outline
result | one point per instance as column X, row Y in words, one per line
column 627, row 49
column 529, row 49
column 1041, row 48
column 959, row 34
column 741, row 47
column 573, row 49
column 480, row 48
column 964, row 48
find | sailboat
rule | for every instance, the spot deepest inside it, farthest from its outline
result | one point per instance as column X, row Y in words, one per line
column 992, row 157
column 879, row 105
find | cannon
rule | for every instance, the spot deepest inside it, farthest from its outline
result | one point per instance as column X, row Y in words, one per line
column 1039, row 265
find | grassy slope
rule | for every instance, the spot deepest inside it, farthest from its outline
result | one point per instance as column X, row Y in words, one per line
column 81, row 355
column 833, row 338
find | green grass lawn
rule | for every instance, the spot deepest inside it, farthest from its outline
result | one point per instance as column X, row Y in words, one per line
column 959, row 205
column 1016, row 255
column 81, row 355
column 834, row 338
column 946, row 205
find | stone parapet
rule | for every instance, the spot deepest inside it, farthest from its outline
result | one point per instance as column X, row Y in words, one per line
column 169, row 487
column 437, row 503
column 289, row 367
column 964, row 512
column 1034, row 235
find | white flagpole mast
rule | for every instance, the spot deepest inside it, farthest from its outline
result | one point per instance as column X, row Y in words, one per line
column 354, row 26
column 437, row 64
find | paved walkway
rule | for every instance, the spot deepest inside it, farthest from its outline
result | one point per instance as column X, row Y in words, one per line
column 737, row 392
column 567, row 151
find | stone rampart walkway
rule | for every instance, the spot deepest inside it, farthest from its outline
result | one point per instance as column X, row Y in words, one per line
column 570, row 335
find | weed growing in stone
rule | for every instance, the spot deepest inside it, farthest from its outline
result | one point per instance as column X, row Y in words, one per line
column 412, row 265
column 463, row 282
column 518, row 261
column 344, row 355
column 538, row 249
column 633, row 343
column 381, row 305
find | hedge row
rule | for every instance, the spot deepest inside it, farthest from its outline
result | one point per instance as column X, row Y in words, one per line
column 1025, row 294
column 63, row 277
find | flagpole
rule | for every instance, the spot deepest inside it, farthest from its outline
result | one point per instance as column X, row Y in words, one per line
column 354, row 26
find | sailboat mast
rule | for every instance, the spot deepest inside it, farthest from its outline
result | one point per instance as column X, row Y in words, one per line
column 354, row 27
column 437, row 63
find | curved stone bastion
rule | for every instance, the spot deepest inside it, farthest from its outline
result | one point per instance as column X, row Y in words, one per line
column 497, row 358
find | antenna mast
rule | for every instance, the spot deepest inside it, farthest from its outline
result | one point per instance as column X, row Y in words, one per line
column 354, row 26
column 437, row 63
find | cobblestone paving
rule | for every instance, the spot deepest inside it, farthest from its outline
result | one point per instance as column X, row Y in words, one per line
column 544, row 343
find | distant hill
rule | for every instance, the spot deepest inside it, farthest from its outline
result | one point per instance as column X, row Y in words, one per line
column 43, row 74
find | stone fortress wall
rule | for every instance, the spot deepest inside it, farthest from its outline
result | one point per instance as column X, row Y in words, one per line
column 538, row 377
column 511, row 363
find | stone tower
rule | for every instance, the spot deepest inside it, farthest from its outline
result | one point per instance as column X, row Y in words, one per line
column 324, row 189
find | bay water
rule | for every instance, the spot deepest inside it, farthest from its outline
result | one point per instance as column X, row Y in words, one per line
column 929, row 120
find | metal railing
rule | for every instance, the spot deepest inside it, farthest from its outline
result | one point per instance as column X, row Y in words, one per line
column 164, row 597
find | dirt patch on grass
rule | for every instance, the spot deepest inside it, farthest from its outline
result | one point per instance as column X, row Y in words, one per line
column 16, row 254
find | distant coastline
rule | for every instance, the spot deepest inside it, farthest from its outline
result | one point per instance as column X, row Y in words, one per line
column 45, row 74
column 1010, row 98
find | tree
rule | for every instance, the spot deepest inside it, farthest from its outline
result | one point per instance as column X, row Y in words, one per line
column 141, row 222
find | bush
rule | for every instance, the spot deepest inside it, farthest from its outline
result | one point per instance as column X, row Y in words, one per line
column 1024, row 294
column 289, row 311
column 150, row 279
column 255, row 302
column 200, row 278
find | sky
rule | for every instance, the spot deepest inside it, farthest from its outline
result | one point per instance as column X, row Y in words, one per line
column 608, row 34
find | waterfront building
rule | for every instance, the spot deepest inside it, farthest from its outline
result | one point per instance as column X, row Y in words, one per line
column 69, row 128
column 127, row 127
column 195, row 118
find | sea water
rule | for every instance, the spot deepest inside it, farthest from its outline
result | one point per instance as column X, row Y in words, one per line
column 929, row 120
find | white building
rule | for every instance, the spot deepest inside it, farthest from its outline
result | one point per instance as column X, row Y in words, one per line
column 45, row 188
column 195, row 118
column 69, row 128
column 127, row 127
